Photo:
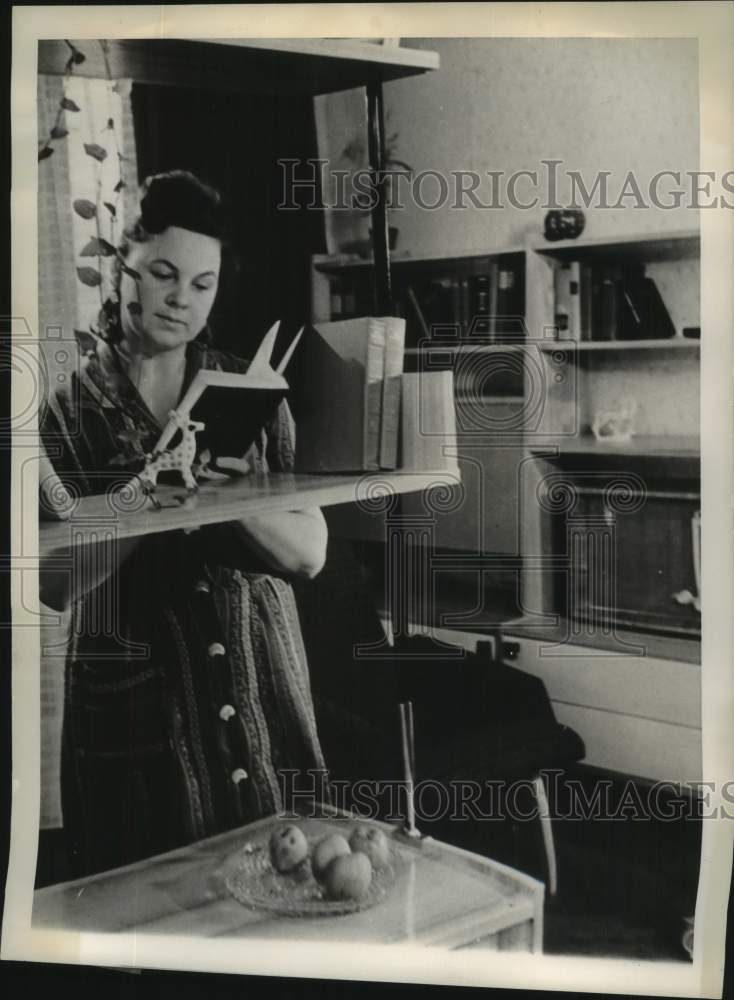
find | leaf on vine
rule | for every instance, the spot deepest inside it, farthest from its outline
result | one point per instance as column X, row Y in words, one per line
column 68, row 105
column 87, row 209
column 111, row 209
column 110, row 123
column 78, row 57
column 120, row 185
column 89, row 276
column 57, row 132
column 97, row 247
column 134, row 308
column 96, row 152
column 44, row 153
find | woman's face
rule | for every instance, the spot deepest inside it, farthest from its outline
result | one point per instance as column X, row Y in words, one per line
column 169, row 304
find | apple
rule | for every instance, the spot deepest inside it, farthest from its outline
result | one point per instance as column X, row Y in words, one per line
column 288, row 848
column 329, row 847
column 348, row 876
column 370, row 840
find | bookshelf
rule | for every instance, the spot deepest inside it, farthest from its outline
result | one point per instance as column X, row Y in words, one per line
column 96, row 517
column 246, row 65
column 525, row 404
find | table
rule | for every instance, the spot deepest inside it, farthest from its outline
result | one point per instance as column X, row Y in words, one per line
column 442, row 896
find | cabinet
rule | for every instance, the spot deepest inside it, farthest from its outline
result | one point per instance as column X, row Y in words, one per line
column 544, row 499
column 620, row 515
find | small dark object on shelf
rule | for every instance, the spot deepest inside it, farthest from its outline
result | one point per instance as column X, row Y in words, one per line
column 564, row 224
column 692, row 332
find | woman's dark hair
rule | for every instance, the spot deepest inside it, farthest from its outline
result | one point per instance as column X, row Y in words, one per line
column 176, row 198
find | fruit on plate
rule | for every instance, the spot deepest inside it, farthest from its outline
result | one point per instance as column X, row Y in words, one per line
column 348, row 877
column 329, row 847
column 288, row 848
column 370, row 840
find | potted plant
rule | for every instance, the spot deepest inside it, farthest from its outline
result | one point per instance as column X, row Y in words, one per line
column 354, row 156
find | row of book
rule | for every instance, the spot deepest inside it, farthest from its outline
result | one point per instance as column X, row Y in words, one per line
column 608, row 302
column 349, row 404
column 487, row 306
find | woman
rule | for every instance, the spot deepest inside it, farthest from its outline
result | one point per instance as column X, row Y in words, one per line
column 187, row 689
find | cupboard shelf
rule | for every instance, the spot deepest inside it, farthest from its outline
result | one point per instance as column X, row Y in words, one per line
column 660, row 446
column 645, row 247
column 340, row 263
column 671, row 344
column 96, row 517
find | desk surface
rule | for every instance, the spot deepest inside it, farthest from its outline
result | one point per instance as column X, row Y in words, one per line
column 441, row 896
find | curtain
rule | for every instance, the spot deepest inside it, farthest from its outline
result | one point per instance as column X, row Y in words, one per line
column 65, row 304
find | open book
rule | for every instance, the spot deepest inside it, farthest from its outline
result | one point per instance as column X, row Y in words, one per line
column 232, row 406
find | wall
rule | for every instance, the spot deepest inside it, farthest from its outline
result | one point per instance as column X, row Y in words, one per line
column 508, row 104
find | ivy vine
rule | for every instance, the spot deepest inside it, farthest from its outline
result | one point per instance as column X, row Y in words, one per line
column 101, row 244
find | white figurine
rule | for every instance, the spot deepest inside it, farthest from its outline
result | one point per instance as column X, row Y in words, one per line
column 178, row 459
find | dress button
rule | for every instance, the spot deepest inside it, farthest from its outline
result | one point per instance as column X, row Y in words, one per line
column 240, row 774
column 202, row 587
column 226, row 712
column 215, row 649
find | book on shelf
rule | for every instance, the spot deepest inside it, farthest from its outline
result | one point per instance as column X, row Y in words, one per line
column 348, row 413
column 480, row 314
column 465, row 306
column 233, row 406
column 567, row 286
column 509, row 323
column 627, row 305
column 428, row 424
column 392, row 392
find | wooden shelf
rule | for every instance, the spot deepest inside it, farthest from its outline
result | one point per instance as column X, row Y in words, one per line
column 643, row 247
column 338, row 263
column 97, row 516
column 645, row 445
column 670, row 344
column 467, row 348
column 278, row 66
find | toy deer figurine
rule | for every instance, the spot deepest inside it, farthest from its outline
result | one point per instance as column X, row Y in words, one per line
column 179, row 459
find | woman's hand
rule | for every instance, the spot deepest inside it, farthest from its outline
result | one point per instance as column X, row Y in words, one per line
column 292, row 542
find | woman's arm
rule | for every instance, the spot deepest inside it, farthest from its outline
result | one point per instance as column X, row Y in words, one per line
column 88, row 567
column 292, row 542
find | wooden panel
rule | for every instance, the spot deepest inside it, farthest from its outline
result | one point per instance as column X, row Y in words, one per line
column 253, row 66
column 630, row 745
column 655, row 689
column 213, row 504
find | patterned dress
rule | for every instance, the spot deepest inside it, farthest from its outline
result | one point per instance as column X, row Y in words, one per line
column 188, row 707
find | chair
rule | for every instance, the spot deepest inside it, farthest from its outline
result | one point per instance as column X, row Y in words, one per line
column 477, row 718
